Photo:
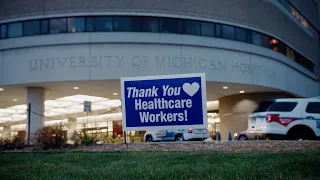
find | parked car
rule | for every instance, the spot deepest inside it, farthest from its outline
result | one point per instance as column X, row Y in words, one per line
column 176, row 135
column 290, row 119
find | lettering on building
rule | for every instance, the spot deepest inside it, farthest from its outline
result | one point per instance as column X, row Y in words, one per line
column 158, row 61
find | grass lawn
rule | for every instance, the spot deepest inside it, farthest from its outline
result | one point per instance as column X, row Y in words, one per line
column 160, row 165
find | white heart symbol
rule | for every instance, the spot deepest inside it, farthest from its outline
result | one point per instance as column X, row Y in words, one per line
column 191, row 89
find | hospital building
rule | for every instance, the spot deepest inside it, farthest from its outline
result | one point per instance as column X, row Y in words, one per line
column 56, row 54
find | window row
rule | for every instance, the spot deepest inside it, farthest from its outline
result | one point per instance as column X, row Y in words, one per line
column 132, row 24
column 295, row 13
column 148, row 24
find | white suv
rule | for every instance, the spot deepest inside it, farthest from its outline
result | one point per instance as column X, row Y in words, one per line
column 176, row 135
column 292, row 119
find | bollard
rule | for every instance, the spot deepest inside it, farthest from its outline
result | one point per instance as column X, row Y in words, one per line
column 229, row 137
column 218, row 136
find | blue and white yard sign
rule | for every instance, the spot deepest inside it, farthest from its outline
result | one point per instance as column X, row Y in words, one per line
column 164, row 102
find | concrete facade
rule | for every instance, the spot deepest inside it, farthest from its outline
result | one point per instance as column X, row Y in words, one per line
column 309, row 9
column 6, row 132
column 222, row 61
column 270, row 18
column 36, row 99
column 72, row 127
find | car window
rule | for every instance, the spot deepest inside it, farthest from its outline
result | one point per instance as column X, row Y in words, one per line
column 263, row 106
column 282, row 106
column 313, row 107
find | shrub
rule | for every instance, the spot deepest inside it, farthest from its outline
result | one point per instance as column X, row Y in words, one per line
column 17, row 142
column 136, row 138
column 52, row 137
column 75, row 138
column 7, row 144
column 108, row 139
column 213, row 135
column 84, row 138
column 118, row 140
column 87, row 140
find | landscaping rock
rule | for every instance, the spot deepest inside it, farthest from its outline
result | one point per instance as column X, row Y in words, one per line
column 244, row 146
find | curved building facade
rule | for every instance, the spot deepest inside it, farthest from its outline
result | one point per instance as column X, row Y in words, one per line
column 55, row 52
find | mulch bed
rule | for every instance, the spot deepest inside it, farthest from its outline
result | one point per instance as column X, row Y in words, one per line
column 247, row 146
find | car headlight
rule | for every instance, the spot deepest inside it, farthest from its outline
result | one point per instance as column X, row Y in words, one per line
column 235, row 135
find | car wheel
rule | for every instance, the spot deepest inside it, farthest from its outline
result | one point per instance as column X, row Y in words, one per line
column 242, row 138
column 301, row 133
column 179, row 137
column 149, row 138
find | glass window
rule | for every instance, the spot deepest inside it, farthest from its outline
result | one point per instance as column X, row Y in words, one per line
column 249, row 36
column 137, row 24
column 3, row 31
column 207, row 29
column 192, row 27
column 89, row 24
column 299, row 17
column 103, row 24
column 304, row 61
column 277, row 45
column 122, row 24
column 218, row 30
column 75, row 24
column 31, row 28
column 44, row 26
column 282, row 106
column 313, row 107
column 169, row 25
column 256, row 38
column 282, row 48
column 227, row 32
column 241, row 34
column 290, row 53
column 15, row 30
column 58, row 25
column 151, row 24
column 307, row 64
column 266, row 41
column 144, row 24
column 263, row 106
column 299, row 57
column 295, row 13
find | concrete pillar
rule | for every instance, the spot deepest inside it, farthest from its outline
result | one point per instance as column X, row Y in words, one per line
column 6, row 132
column 36, row 97
column 72, row 127
column 234, row 110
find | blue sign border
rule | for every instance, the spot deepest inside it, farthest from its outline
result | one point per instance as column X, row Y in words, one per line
column 204, row 102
